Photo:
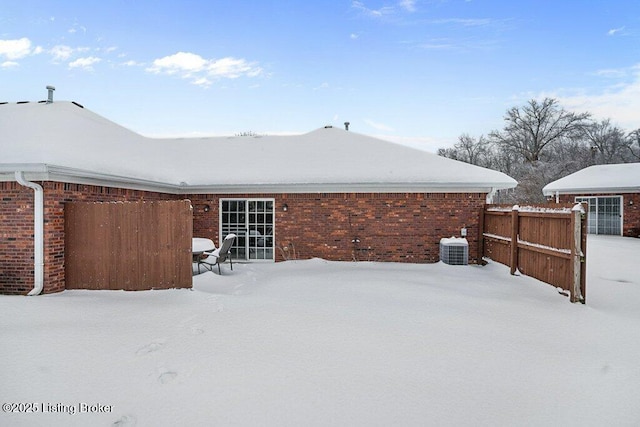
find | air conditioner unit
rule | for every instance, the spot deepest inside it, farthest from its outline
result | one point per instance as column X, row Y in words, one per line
column 454, row 251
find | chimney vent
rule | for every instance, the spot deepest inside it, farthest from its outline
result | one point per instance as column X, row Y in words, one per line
column 346, row 125
column 50, row 90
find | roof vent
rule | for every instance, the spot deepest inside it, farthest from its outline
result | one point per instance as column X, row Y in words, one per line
column 328, row 127
column 50, row 90
column 346, row 125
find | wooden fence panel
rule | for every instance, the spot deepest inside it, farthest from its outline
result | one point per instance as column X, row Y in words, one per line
column 547, row 243
column 128, row 245
column 497, row 229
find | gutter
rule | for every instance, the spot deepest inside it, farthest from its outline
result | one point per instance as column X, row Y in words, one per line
column 38, row 232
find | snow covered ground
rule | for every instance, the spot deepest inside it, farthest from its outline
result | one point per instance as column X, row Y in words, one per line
column 316, row 343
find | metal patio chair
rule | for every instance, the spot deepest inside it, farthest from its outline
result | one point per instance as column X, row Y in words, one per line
column 220, row 255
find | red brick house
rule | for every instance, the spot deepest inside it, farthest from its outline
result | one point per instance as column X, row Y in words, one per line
column 612, row 193
column 329, row 193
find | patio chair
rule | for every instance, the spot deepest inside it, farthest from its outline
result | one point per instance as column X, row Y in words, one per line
column 220, row 255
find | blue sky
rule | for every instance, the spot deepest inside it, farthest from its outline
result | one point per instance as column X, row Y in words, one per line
column 416, row 72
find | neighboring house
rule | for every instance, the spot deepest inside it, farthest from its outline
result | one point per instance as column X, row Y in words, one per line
column 329, row 193
column 612, row 193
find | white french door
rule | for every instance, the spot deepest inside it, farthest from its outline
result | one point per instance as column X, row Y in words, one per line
column 253, row 222
column 604, row 215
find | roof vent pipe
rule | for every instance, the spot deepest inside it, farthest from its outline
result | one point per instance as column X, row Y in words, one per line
column 50, row 90
column 346, row 125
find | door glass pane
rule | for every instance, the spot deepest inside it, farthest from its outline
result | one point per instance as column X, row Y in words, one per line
column 234, row 221
column 260, row 230
column 609, row 215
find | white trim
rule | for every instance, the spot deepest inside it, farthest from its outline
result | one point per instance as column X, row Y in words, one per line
column 44, row 172
column 334, row 188
column 604, row 190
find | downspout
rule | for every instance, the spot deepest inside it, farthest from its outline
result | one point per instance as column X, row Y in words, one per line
column 38, row 232
column 490, row 195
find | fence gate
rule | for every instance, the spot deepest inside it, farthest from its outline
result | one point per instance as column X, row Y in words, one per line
column 547, row 242
column 128, row 245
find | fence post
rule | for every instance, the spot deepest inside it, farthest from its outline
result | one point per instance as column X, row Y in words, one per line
column 583, row 263
column 514, row 238
column 576, row 254
column 481, row 236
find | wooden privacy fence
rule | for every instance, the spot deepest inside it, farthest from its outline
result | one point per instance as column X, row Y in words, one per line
column 548, row 243
column 128, row 245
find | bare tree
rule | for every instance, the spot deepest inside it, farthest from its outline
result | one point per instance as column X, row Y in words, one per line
column 475, row 151
column 450, row 153
column 542, row 142
column 469, row 150
column 532, row 128
column 633, row 144
column 569, row 157
column 607, row 142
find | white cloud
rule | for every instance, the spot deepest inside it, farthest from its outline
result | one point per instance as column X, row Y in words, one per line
column 614, row 31
column 620, row 102
column 399, row 6
column 232, row 68
column 202, row 81
column 181, row 62
column 131, row 63
column 9, row 64
column 85, row 63
column 408, row 5
column 15, row 49
column 376, row 13
column 61, row 52
column 77, row 27
column 200, row 70
column 354, row 36
column 378, row 126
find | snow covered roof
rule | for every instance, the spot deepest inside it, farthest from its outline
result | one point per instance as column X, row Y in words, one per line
column 62, row 141
column 619, row 178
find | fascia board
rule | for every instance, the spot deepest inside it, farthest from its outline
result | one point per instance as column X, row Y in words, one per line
column 335, row 188
column 601, row 190
column 43, row 172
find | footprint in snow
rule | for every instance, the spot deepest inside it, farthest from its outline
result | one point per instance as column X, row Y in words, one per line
column 197, row 329
column 150, row 348
column 167, row 377
column 125, row 421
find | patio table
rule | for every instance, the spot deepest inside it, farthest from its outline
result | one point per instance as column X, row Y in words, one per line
column 200, row 245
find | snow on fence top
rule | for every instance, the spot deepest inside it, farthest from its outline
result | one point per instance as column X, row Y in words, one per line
column 547, row 208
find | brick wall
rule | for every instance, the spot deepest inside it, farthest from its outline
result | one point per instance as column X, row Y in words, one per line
column 16, row 229
column 630, row 210
column 400, row 227
column 16, row 238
